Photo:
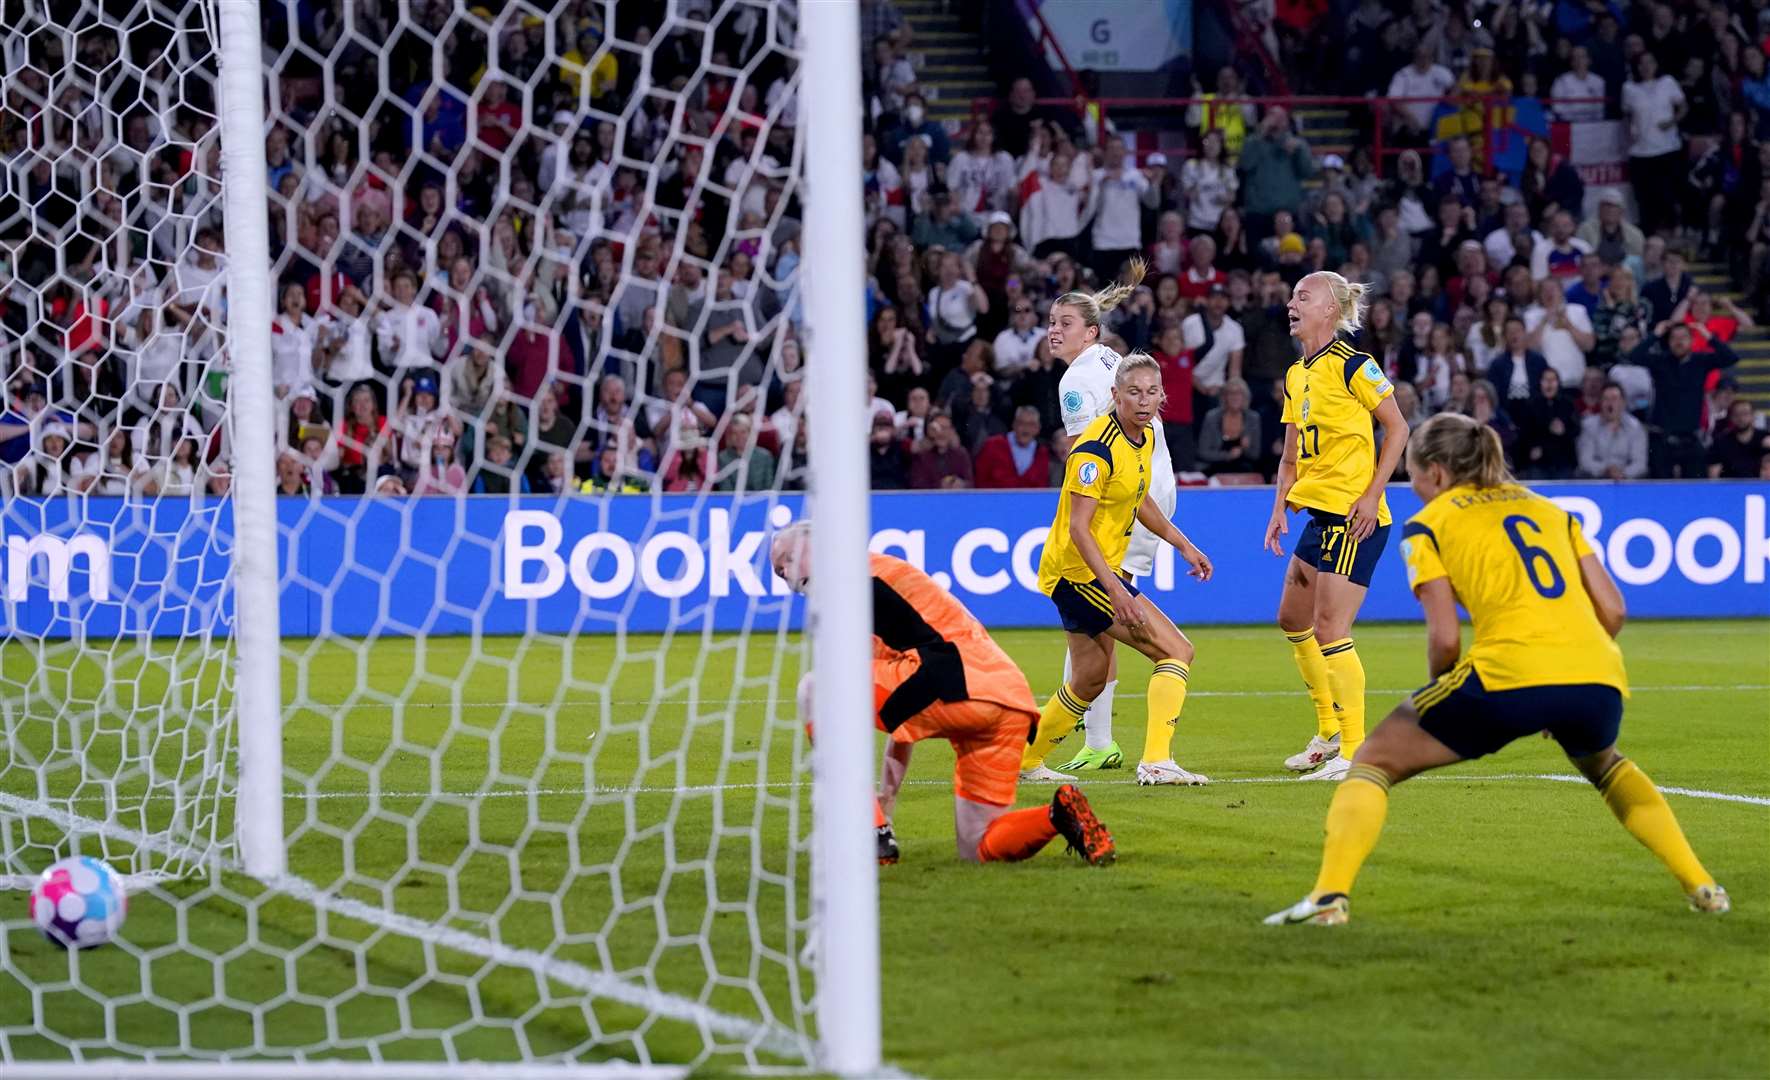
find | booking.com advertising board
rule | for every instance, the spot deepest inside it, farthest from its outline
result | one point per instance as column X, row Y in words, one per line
column 586, row 564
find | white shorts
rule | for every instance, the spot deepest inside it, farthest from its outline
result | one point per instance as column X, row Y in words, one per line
column 1139, row 558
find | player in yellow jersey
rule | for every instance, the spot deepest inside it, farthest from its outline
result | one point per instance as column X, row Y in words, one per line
column 1543, row 659
column 1332, row 469
column 1105, row 493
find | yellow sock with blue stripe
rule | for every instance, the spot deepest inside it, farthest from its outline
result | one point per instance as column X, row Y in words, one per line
column 1167, row 696
column 1307, row 652
column 1058, row 718
column 1354, row 821
column 1642, row 810
column 1346, row 687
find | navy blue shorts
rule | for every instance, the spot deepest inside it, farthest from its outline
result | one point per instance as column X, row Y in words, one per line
column 1085, row 607
column 1324, row 545
column 1458, row 711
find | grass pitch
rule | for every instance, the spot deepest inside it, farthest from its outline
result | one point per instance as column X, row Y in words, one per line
column 642, row 814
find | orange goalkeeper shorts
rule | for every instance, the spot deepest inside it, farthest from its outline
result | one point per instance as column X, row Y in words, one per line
column 988, row 739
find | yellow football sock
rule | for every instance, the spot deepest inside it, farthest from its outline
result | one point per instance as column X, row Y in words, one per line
column 1058, row 718
column 1354, row 821
column 1346, row 687
column 1307, row 652
column 1167, row 696
column 1643, row 811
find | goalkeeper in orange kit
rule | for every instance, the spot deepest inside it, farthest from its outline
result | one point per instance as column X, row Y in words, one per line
column 938, row 675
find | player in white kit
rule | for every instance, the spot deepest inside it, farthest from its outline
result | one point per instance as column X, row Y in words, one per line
column 1084, row 393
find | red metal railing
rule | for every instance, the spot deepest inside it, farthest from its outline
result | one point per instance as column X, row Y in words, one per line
column 1490, row 113
column 1048, row 40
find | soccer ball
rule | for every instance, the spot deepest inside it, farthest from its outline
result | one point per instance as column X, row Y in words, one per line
column 79, row 902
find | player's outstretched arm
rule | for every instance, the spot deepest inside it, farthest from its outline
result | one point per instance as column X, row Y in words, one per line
column 1152, row 518
column 1444, row 634
column 1277, row 526
column 1607, row 599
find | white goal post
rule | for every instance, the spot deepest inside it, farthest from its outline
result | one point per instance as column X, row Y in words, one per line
column 252, row 416
column 477, row 765
column 848, row 977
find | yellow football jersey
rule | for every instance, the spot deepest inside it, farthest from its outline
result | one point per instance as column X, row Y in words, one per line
column 1106, row 465
column 1513, row 558
column 1330, row 397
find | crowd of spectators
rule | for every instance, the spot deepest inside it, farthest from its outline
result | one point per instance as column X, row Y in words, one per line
column 503, row 270
column 1566, row 318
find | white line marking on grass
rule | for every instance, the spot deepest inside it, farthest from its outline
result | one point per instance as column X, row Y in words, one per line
column 776, row 785
column 770, row 1038
column 1694, row 793
column 702, row 789
column 715, row 700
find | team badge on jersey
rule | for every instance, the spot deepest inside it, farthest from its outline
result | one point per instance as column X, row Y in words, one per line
column 1305, row 408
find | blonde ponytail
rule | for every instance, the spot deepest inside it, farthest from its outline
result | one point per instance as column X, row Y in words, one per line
column 1349, row 300
column 1093, row 305
column 1469, row 451
column 1120, row 291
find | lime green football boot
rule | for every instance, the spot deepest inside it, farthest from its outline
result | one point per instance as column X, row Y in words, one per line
column 1090, row 760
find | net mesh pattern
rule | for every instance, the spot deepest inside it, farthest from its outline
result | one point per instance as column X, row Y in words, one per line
column 537, row 261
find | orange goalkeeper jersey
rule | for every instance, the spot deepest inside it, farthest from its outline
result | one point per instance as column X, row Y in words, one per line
column 927, row 648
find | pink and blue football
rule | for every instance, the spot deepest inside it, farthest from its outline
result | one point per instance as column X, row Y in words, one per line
column 79, row 902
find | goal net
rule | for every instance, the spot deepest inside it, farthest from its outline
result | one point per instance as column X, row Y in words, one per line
column 536, row 351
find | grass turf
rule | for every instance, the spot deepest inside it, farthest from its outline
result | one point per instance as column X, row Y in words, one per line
column 1503, row 926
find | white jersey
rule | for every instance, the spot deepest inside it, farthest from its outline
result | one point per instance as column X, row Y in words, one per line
column 1084, row 393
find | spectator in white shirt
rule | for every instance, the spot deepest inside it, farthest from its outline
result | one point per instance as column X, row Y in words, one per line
column 561, row 129
column 192, row 279
column 1562, row 332
column 916, row 175
column 1578, row 82
column 953, row 306
column 1207, row 184
column 1654, row 104
column 1223, row 360
column 1503, row 244
column 980, row 176
column 1121, row 192
column 1420, row 79
column 1019, row 340
column 293, row 335
column 154, row 354
column 1051, row 216
column 344, row 355
column 410, row 334
column 418, row 420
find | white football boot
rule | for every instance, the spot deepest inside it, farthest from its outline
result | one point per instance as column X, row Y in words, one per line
column 1167, row 772
column 1332, row 771
column 1319, row 752
column 1331, row 910
column 1039, row 774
